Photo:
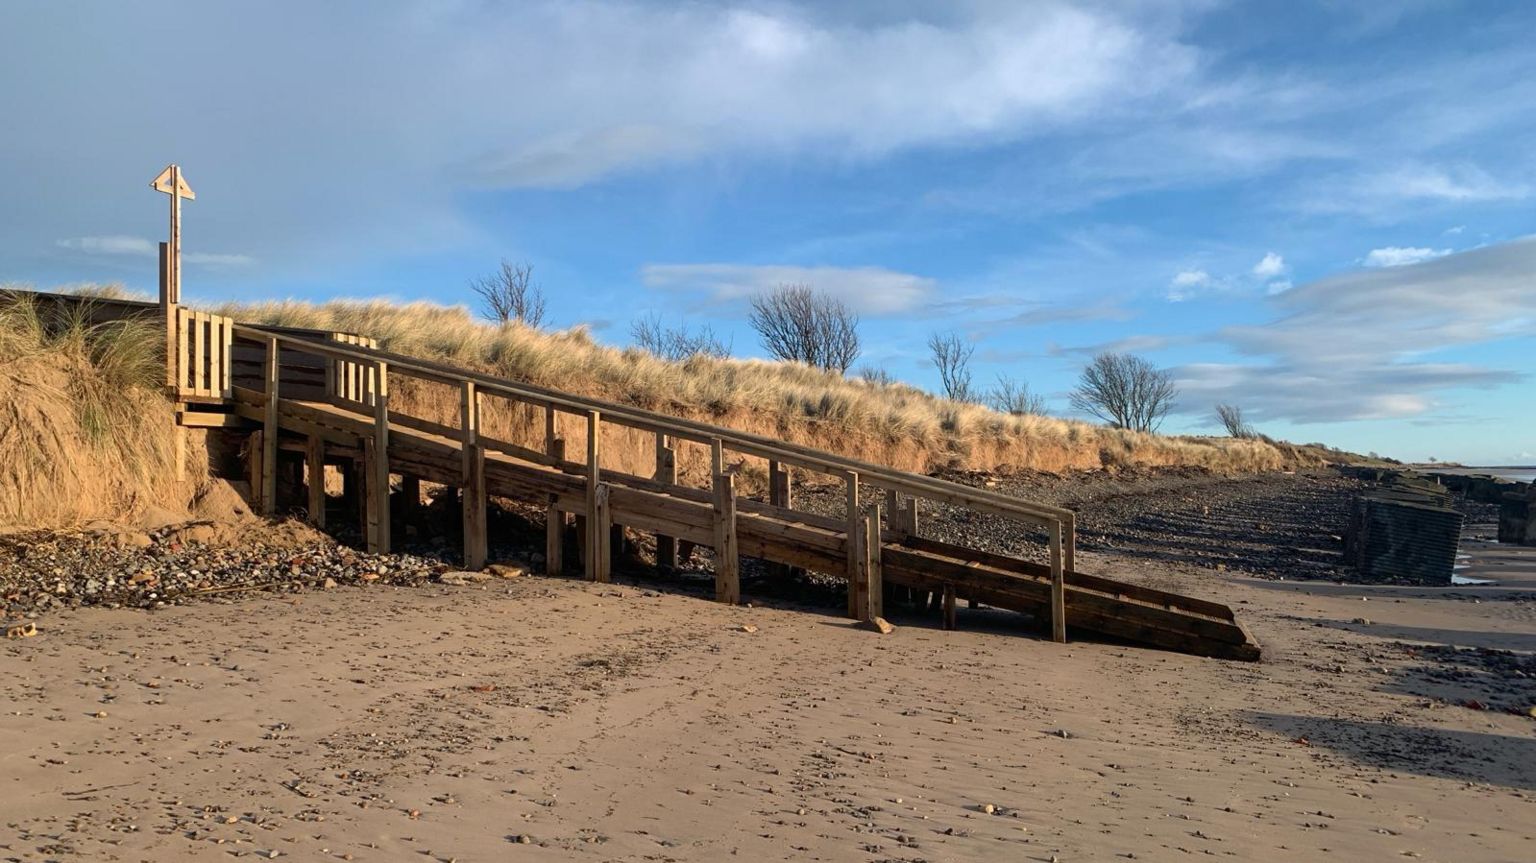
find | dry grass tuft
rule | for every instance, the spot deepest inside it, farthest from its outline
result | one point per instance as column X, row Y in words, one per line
column 84, row 431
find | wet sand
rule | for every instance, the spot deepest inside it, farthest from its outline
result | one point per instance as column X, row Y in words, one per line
column 547, row 719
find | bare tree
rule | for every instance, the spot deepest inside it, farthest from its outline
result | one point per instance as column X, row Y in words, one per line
column 510, row 294
column 798, row 324
column 677, row 343
column 951, row 355
column 1125, row 391
column 1231, row 416
column 1013, row 397
column 877, row 375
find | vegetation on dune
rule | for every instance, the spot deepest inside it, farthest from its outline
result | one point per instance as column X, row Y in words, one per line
column 84, row 429
column 868, row 417
column 86, row 432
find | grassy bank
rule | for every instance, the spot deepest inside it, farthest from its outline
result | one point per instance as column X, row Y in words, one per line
column 891, row 423
column 85, row 431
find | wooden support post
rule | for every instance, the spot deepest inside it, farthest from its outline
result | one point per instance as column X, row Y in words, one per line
column 1058, row 588
column 269, row 433
column 1069, row 543
column 716, row 457
column 908, row 518
column 554, row 521
column 666, row 472
column 314, row 462
column 596, row 531
column 551, row 430
column 727, row 551
column 600, row 529
column 851, row 520
column 410, row 498
column 780, row 493
column 949, row 606
column 476, row 542
column 378, row 462
column 255, row 448
column 868, row 584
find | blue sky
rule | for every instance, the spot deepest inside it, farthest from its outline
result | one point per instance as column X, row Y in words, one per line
column 1320, row 211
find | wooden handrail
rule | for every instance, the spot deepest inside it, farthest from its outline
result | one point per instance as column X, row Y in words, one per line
column 701, row 433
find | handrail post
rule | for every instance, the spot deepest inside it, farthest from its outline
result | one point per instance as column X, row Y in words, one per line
column 1058, row 587
column 716, row 457
column 269, row 432
column 377, row 456
column 475, row 540
column 666, row 472
column 851, row 521
column 727, row 550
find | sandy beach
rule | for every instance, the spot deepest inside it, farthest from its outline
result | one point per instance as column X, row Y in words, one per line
column 551, row 719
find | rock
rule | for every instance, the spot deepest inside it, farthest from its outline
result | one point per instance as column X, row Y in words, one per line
column 747, row 627
column 27, row 629
column 1363, row 621
column 464, row 578
column 988, row 809
column 880, row 625
column 507, row 570
column 328, row 584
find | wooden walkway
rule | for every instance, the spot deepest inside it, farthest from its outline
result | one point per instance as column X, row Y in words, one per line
column 310, row 399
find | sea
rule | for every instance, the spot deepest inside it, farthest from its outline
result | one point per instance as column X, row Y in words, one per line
column 1517, row 473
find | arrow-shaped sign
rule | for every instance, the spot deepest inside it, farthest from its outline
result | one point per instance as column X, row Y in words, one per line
column 170, row 179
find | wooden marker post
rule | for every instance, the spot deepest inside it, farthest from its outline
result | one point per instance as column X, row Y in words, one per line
column 173, row 184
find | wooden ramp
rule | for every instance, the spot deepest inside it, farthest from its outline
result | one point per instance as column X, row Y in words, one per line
column 308, row 399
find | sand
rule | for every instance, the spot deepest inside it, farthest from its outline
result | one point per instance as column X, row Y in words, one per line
column 545, row 719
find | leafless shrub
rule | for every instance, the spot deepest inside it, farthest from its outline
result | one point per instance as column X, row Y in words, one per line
column 1231, row 417
column 951, row 355
column 1014, row 397
column 510, row 294
column 801, row 325
column 877, row 375
column 1125, row 391
column 677, row 343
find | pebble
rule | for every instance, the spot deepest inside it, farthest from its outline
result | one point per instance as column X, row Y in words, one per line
column 43, row 571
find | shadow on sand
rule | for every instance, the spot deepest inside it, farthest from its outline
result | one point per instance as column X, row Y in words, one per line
column 1469, row 756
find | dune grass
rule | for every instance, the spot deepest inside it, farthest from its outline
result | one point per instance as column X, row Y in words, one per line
column 892, row 422
column 85, row 431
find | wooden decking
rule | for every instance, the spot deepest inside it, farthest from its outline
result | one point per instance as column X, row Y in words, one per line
column 296, row 400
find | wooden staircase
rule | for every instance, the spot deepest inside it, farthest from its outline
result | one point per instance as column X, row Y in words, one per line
column 305, row 399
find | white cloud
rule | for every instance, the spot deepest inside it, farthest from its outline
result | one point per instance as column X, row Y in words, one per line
column 1187, row 283
column 869, row 290
column 1279, row 286
column 110, row 245
column 1399, row 256
column 140, row 247
column 1270, row 266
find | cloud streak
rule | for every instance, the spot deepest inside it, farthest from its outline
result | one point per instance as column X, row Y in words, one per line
column 868, row 290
